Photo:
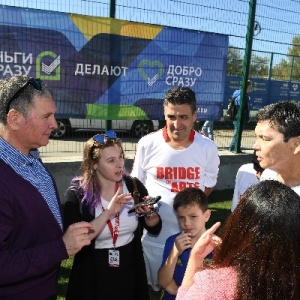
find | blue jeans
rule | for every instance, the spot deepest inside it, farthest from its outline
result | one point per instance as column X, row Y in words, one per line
column 231, row 146
column 208, row 129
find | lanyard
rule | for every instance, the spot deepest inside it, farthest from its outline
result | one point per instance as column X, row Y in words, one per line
column 113, row 231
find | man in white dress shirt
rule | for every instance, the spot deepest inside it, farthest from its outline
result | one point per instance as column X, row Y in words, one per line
column 278, row 143
column 247, row 175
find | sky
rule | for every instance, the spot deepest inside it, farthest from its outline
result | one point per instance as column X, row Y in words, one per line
column 279, row 19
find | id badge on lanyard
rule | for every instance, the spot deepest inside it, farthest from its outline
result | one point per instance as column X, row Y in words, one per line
column 113, row 258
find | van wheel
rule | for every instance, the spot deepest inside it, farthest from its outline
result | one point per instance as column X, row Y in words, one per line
column 63, row 129
column 141, row 128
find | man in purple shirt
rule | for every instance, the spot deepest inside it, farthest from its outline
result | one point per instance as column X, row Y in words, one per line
column 32, row 243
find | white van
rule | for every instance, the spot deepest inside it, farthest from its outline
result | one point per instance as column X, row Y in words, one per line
column 137, row 128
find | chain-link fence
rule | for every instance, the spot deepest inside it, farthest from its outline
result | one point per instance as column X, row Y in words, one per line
column 274, row 66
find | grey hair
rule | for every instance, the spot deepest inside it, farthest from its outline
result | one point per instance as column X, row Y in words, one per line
column 25, row 101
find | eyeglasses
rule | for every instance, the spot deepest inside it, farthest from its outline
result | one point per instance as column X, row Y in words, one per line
column 102, row 138
column 36, row 83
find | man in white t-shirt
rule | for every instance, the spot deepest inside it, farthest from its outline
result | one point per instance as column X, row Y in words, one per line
column 169, row 160
column 278, row 143
column 269, row 174
column 247, row 175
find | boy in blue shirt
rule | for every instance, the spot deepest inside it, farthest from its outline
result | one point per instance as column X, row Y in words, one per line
column 191, row 208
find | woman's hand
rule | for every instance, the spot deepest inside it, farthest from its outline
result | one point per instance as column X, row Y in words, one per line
column 206, row 243
column 117, row 202
column 114, row 206
column 144, row 210
column 148, row 212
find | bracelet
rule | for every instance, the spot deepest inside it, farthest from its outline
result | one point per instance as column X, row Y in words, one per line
column 149, row 214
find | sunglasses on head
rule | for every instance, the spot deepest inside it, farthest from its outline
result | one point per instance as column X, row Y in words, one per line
column 34, row 82
column 102, row 138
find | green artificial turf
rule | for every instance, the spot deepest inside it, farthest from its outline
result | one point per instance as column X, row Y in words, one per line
column 219, row 202
column 63, row 279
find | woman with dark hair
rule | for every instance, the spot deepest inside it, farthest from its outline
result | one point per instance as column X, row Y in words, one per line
column 112, row 267
column 258, row 257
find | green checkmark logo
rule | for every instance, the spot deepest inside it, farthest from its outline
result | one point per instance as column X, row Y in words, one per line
column 48, row 71
column 145, row 64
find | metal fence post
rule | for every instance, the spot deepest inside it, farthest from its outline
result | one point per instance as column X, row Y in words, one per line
column 245, row 74
column 112, row 14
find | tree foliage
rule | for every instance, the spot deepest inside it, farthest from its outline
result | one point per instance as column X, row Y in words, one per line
column 289, row 68
column 234, row 61
column 259, row 66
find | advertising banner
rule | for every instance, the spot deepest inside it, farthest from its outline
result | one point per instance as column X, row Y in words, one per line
column 102, row 68
column 264, row 91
